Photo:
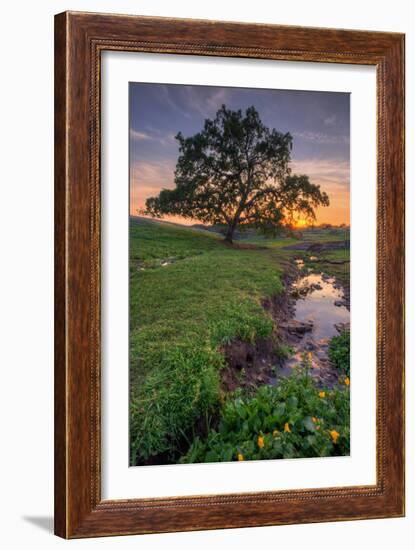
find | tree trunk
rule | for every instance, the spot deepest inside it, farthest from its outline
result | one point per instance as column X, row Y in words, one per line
column 233, row 225
column 229, row 234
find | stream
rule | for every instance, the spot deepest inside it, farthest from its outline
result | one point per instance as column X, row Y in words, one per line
column 320, row 312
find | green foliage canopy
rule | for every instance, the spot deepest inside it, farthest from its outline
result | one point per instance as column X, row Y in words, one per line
column 236, row 172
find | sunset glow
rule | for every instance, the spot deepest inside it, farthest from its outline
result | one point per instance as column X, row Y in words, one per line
column 319, row 123
column 300, row 223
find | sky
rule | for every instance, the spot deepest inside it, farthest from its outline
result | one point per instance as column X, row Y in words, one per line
column 319, row 123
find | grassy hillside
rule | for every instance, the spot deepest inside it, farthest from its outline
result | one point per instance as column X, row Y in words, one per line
column 189, row 294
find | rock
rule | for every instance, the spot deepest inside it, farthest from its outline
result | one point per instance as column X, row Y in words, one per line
column 315, row 286
column 167, row 261
column 341, row 327
column 309, row 345
column 339, row 303
column 297, row 327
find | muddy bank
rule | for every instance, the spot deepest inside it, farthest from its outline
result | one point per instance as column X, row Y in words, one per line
column 313, row 308
column 250, row 365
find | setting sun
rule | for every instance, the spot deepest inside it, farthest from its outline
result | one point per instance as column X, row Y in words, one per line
column 300, row 223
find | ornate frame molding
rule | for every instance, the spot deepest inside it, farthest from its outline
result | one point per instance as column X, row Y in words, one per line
column 79, row 40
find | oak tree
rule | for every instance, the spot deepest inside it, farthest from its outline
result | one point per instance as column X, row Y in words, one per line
column 236, row 172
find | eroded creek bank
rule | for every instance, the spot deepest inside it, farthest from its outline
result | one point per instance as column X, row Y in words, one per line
column 313, row 308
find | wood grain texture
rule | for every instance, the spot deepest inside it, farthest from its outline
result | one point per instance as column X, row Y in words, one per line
column 60, row 278
column 79, row 40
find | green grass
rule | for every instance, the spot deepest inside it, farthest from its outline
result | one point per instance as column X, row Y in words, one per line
column 180, row 316
column 277, row 242
column 151, row 241
column 326, row 235
column 307, row 235
column 311, row 235
column 341, row 271
column 190, row 294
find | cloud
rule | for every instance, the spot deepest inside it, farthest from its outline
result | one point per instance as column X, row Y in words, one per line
column 330, row 120
column 334, row 178
column 152, row 135
column 321, row 138
column 139, row 136
column 169, row 99
column 147, row 179
column 207, row 104
column 324, row 172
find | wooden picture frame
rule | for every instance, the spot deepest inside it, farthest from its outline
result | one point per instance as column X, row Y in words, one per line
column 79, row 40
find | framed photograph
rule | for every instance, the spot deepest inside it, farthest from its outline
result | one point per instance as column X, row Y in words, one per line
column 229, row 275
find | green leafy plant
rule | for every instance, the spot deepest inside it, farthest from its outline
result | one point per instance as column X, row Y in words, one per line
column 339, row 352
column 295, row 419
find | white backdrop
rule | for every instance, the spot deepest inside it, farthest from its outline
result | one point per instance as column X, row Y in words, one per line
column 26, row 275
column 119, row 481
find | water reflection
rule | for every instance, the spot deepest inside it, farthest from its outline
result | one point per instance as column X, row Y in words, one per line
column 317, row 302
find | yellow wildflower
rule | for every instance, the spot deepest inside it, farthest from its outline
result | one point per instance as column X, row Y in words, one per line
column 287, row 427
column 310, row 356
column 334, row 435
column 275, row 433
column 322, row 394
column 314, row 419
column 347, row 381
column 240, row 456
column 261, row 441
